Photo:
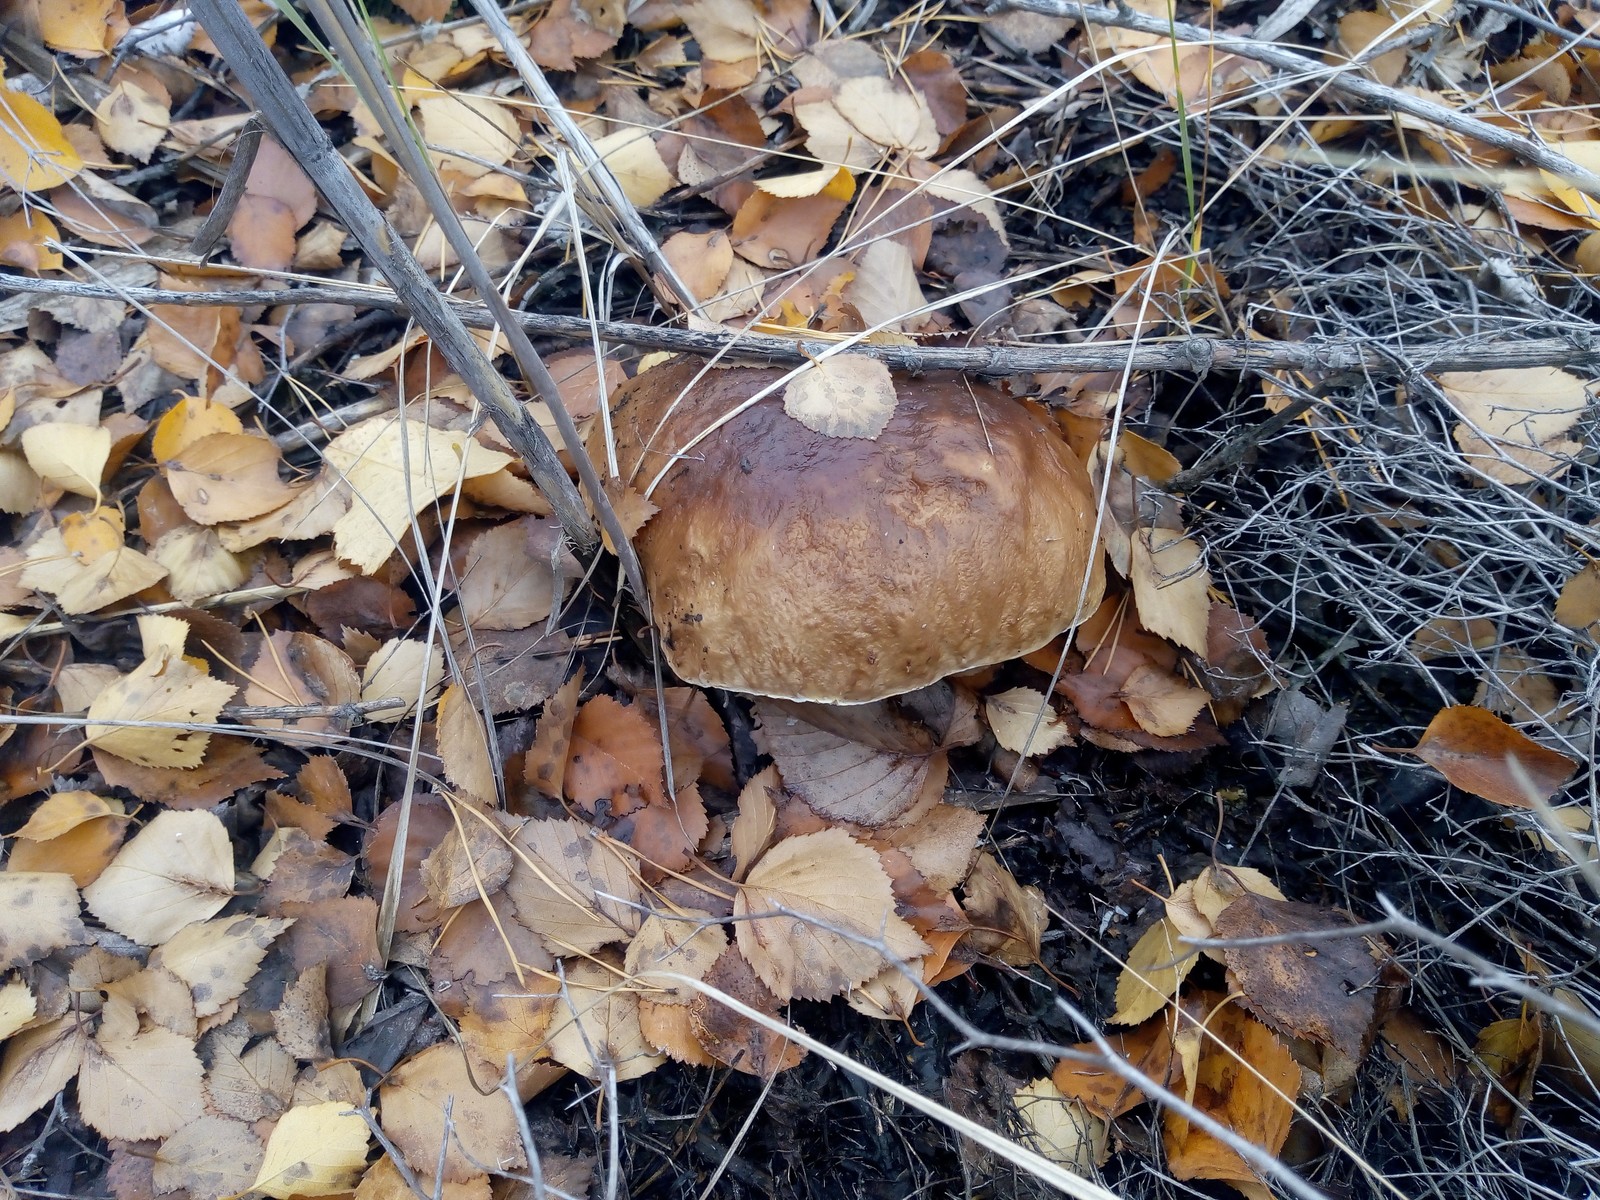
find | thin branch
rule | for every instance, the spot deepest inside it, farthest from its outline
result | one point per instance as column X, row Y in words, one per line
column 292, row 123
column 1194, row 355
column 1356, row 86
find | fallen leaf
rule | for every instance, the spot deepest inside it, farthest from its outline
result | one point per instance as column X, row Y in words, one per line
column 133, row 120
column 315, row 1150
column 545, row 764
column 615, row 757
column 84, row 564
column 837, row 908
column 753, row 827
column 686, row 943
column 166, row 689
column 1024, row 723
column 1062, row 1130
column 847, row 396
column 341, row 932
column 732, row 1038
column 218, row 958
column 866, row 764
column 595, row 1031
column 41, row 916
column 1008, row 920
column 571, row 888
column 228, row 477
column 481, row 128
column 74, row 832
column 1156, row 968
column 70, row 457
column 402, row 669
column 1171, row 586
column 1578, row 605
column 35, row 154
column 395, row 469
column 1147, row 1049
column 471, row 862
column 176, row 870
column 1161, row 701
column 514, row 575
column 1479, row 753
column 1516, row 420
column 37, row 1064
column 632, row 157
column 251, row 1085
column 1248, row 1083
column 140, row 1085
column 209, row 1158
column 18, row 1007
column 464, row 745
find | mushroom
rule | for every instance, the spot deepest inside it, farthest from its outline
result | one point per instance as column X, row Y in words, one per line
column 790, row 564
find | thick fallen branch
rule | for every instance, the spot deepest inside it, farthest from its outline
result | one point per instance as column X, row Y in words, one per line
column 1196, row 355
column 1349, row 83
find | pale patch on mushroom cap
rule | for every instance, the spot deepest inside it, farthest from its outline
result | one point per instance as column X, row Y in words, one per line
column 787, row 563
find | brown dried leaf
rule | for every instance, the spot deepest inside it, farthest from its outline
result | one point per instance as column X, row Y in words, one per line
column 1479, row 753
column 753, row 827
column 1008, row 919
column 342, row 933
column 1148, row 1049
column 840, row 899
column 571, row 888
column 217, row 959
column 514, row 574
column 1171, row 587
column 1516, row 420
column 615, row 757
column 1255, row 1101
column 252, row 1085
column 471, row 862
column 1161, row 701
column 1325, row 990
column 545, row 764
column 413, row 1102
column 686, row 943
column 864, row 764
column 731, row 1038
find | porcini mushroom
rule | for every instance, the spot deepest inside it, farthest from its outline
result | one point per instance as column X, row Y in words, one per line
column 787, row 563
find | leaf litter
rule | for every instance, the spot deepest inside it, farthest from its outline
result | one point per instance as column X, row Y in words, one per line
column 554, row 848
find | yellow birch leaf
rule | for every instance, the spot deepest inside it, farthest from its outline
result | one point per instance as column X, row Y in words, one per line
column 314, row 1150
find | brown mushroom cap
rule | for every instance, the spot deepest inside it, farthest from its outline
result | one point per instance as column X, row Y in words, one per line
column 787, row 563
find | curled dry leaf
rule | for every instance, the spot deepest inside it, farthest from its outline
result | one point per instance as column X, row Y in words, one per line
column 572, row 888
column 813, row 913
column 847, row 395
column 178, row 869
column 1024, row 723
column 315, row 1150
column 1481, row 754
column 545, row 764
column 1008, row 919
column 595, row 1030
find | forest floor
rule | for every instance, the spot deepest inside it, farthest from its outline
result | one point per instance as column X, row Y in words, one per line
column 346, row 795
